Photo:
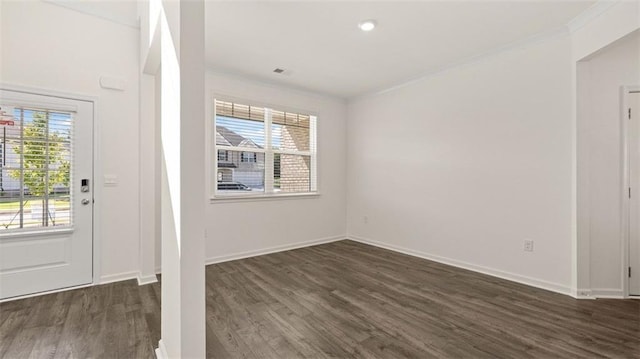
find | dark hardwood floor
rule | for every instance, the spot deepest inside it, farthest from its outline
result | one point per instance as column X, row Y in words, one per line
column 342, row 299
column 118, row 320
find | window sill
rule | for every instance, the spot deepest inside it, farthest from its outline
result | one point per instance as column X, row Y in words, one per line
column 262, row 197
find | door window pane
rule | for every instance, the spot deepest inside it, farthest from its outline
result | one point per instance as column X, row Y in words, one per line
column 35, row 168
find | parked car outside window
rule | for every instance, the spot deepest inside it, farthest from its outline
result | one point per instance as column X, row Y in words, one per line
column 232, row 186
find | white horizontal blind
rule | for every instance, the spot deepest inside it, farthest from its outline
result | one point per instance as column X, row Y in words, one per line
column 35, row 168
column 263, row 150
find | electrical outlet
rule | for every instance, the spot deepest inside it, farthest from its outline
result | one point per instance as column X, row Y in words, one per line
column 528, row 245
column 365, row 219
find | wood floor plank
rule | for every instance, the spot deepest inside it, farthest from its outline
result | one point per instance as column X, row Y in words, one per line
column 338, row 300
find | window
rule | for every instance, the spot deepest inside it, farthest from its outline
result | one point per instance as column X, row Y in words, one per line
column 248, row 157
column 266, row 151
column 35, row 168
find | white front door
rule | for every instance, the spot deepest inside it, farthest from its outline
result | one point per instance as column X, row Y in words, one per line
column 634, row 180
column 46, row 193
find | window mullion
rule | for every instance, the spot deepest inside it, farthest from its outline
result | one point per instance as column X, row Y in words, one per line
column 268, row 155
column 313, row 148
column 22, row 203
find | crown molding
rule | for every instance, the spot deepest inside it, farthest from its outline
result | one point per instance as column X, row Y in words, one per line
column 261, row 81
column 588, row 15
column 519, row 44
column 592, row 13
column 88, row 8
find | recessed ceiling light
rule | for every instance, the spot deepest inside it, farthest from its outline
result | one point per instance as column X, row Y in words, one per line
column 367, row 25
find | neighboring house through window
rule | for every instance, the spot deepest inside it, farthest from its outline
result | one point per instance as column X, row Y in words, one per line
column 263, row 151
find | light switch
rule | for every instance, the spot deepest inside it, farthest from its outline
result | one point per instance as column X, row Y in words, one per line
column 110, row 180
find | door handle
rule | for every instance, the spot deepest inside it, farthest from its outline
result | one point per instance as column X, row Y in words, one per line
column 85, row 201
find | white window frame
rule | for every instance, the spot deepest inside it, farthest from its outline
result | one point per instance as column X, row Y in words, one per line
column 268, row 152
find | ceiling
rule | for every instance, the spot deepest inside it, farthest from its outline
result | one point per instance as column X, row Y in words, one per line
column 322, row 50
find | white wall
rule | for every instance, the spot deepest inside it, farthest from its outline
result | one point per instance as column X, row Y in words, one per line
column 599, row 159
column 464, row 165
column 481, row 167
column 602, row 29
column 182, row 97
column 51, row 47
column 247, row 227
column 149, row 219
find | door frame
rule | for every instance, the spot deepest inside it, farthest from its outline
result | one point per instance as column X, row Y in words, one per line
column 625, row 91
column 96, row 172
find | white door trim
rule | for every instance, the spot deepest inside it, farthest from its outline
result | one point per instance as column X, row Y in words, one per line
column 625, row 200
column 96, row 172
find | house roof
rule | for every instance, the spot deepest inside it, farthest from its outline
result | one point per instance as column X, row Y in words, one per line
column 227, row 137
column 220, row 140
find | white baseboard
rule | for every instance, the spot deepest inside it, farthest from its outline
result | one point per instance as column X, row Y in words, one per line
column 533, row 282
column 260, row 252
column 554, row 287
column 275, row 249
column 583, row 294
column 161, row 351
column 117, row 277
column 146, row 279
column 608, row 293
